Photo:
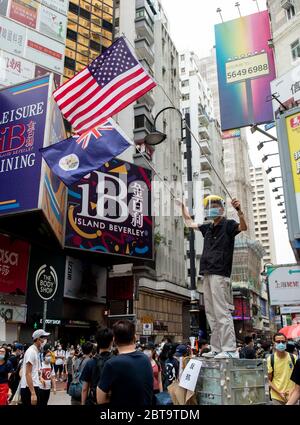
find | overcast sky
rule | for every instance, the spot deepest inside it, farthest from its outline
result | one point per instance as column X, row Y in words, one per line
column 192, row 27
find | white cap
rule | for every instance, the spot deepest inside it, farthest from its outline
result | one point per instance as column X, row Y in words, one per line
column 39, row 333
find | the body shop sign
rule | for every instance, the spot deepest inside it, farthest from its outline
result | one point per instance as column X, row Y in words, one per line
column 109, row 211
column 14, row 258
column 23, row 111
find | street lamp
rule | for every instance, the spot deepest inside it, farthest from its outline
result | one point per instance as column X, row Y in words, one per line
column 278, row 197
column 280, row 204
column 272, row 180
column 276, row 189
column 261, row 144
column 219, row 10
column 265, row 157
column 255, row 128
column 268, row 171
column 237, row 5
column 257, row 5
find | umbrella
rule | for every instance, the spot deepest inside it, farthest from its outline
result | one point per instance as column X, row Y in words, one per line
column 291, row 332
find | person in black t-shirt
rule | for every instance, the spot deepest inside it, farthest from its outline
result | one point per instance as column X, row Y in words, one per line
column 248, row 351
column 216, row 266
column 295, row 377
column 127, row 379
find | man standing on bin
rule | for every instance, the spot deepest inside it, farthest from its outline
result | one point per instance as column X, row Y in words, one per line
column 216, row 266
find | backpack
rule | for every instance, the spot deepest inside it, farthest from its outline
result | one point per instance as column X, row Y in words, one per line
column 14, row 378
column 75, row 387
column 273, row 361
column 169, row 372
column 99, row 362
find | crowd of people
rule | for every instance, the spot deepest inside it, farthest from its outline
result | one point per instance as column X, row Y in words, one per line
column 117, row 369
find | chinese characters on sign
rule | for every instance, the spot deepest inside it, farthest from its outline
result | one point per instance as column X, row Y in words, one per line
column 190, row 375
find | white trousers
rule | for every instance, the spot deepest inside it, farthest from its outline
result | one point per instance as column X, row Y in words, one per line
column 218, row 305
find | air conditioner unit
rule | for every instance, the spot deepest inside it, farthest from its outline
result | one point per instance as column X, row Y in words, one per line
column 287, row 4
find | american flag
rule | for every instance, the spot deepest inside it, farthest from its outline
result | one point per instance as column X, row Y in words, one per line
column 102, row 89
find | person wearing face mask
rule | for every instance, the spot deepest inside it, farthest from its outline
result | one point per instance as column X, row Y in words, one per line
column 6, row 368
column 47, row 379
column 215, row 267
column 30, row 381
column 150, row 352
column 60, row 356
column 280, row 367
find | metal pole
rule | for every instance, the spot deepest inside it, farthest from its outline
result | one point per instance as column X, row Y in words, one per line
column 194, row 310
column 255, row 128
column 44, row 315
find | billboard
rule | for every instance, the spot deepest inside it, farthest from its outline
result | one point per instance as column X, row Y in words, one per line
column 54, row 191
column 85, row 281
column 14, row 69
column 109, row 211
column 52, row 24
column 25, row 12
column 284, row 285
column 45, row 51
column 12, row 37
column 14, row 259
column 61, row 6
column 246, row 67
column 23, row 112
column 230, row 134
column 287, row 88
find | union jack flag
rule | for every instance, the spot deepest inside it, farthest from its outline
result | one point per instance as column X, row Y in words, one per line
column 85, row 138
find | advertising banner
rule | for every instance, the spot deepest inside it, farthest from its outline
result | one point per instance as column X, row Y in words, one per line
column 23, row 111
column 3, row 7
column 85, row 281
column 246, row 67
column 14, row 259
column 25, row 12
column 287, row 88
column 45, row 281
column 45, row 51
column 14, row 69
column 12, row 36
column 284, row 285
column 109, row 211
column 293, row 135
column 61, row 6
column 13, row 313
column 40, row 71
column 230, row 134
column 54, row 191
column 53, row 24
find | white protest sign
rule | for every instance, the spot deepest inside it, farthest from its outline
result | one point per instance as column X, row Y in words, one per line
column 190, row 375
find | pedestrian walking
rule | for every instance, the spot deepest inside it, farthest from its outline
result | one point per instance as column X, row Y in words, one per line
column 150, row 352
column 47, row 379
column 169, row 365
column 216, row 267
column 60, row 356
column 78, row 367
column 280, row 367
column 16, row 361
column 127, row 379
column 30, row 381
column 6, row 368
column 93, row 369
column 69, row 367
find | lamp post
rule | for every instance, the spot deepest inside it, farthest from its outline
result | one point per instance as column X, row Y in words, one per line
column 237, row 5
column 219, row 11
column 268, row 171
column 154, row 138
column 261, row 144
column 265, row 157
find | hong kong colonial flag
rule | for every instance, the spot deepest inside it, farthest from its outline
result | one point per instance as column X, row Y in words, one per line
column 73, row 158
column 102, row 89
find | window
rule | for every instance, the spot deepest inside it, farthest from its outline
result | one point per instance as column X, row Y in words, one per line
column 185, row 111
column 185, row 97
column 70, row 63
column 295, row 47
column 185, row 83
column 290, row 13
column 72, row 35
column 182, row 70
column 182, row 57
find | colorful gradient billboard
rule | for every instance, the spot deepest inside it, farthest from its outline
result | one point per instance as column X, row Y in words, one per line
column 245, row 69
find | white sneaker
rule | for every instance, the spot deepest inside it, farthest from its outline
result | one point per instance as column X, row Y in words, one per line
column 228, row 355
column 210, row 354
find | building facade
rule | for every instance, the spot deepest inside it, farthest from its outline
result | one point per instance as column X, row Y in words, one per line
column 285, row 22
column 262, row 213
column 161, row 299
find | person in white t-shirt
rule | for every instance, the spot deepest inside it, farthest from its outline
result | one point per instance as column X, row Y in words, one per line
column 47, row 379
column 30, row 381
column 60, row 356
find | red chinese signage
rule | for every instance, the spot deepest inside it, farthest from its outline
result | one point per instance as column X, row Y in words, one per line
column 14, row 259
column 24, row 13
column 241, row 309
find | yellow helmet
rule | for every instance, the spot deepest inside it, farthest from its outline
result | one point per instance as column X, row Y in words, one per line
column 212, row 198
